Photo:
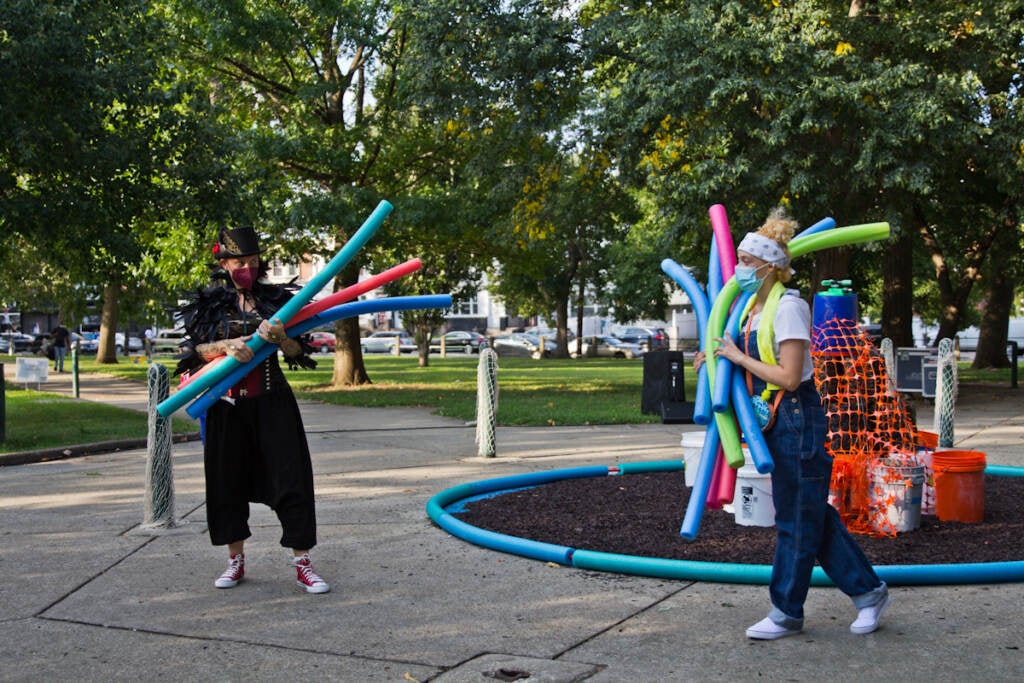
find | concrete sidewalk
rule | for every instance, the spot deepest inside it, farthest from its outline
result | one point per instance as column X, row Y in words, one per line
column 88, row 595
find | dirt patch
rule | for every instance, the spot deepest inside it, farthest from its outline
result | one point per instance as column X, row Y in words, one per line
column 641, row 514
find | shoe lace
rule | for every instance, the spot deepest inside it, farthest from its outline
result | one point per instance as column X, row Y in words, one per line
column 235, row 564
column 306, row 573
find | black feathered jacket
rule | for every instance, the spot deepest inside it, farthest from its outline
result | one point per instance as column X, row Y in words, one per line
column 212, row 314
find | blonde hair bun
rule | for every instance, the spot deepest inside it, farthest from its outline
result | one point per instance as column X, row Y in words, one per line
column 779, row 226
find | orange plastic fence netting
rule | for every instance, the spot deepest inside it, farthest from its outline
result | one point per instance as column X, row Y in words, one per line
column 867, row 420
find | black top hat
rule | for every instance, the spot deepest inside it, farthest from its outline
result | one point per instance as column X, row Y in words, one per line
column 235, row 242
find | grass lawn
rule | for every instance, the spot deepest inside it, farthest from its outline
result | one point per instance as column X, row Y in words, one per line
column 36, row 420
column 531, row 392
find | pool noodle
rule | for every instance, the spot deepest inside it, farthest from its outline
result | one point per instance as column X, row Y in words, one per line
column 352, row 291
column 838, row 237
column 699, row 299
column 724, row 419
column 341, row 296
column 723, row 484
column 828, row 236
column 715, row 279
column 401, row 303
column 726, row 250
column 286, row 312
column 701, row 484
column 824, row 224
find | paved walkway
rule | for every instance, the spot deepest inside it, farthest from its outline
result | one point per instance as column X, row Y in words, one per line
column 88, row 595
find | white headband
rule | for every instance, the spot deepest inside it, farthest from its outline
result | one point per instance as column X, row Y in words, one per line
column 764, row 248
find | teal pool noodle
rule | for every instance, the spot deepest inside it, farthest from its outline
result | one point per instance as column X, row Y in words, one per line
column 284, row 314
column 349, row 310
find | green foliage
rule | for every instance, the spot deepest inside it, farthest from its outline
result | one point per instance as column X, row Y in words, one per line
column 558, row 239
column 907, row 113
column 101, row 140
column 133, row 130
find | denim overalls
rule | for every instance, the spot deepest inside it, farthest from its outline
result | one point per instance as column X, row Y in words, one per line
column 807, row 527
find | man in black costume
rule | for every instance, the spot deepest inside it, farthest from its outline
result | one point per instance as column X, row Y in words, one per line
column 255, row 446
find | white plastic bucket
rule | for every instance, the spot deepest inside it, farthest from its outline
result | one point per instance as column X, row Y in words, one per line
column 928, row 490
column 753, row 504
column 693, row 445
column 896, row 488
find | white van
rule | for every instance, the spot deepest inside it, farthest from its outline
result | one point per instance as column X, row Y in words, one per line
column 969, row 337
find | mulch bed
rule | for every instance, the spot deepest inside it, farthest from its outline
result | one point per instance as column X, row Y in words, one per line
column 641, row 514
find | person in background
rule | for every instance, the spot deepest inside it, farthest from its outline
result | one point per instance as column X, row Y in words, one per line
column 61, row 342
column 774, row 352
column 147, row 340
column 255, row 447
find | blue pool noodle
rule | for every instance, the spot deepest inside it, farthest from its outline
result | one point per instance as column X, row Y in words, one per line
column 349, row 310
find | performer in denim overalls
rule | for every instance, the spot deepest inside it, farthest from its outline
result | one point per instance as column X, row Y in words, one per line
column 774, row 352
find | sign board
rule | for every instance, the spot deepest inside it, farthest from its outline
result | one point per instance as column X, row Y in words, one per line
column 31, row 370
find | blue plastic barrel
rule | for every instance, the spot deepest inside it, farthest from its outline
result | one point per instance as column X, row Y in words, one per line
column 834, row 330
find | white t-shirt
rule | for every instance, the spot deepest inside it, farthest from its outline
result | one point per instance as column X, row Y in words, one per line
column 792, row 321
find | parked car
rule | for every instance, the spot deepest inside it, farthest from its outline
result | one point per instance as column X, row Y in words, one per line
column 134, row 344
column 548, row 333
column 522, row 344
column 459, row 342
column 324, row 342
column 383, row 341
column 649, row 338
column 85, row 345
column 167, row 341
column 608, row 347
column 16, row 342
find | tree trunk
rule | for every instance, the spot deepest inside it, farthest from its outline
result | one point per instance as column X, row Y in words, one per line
column 898, row 291
column 579, row 320
column 953, row 292
column 995, row 322
column 349, row 369
column 106, row 353
column 561, row 327
column 1002, row 281
column 422, row 334
column 830, row 264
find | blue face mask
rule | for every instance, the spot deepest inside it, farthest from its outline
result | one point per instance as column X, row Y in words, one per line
column 747, row 279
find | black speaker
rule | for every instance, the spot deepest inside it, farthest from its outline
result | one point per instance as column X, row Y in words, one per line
column 676, row 412
column 663, row 391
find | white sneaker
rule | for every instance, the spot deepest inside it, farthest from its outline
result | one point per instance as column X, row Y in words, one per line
column 868, row 617
column 766, row 629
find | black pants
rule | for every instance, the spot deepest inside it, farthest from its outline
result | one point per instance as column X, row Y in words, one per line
column 256, row 452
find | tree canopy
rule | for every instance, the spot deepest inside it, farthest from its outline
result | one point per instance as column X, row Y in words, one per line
column 561, row 148
column 894, row 111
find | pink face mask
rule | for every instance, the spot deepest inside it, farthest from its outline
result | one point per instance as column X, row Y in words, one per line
column 244, row 277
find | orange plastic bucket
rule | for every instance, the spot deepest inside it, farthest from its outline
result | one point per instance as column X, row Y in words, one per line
column 927, row 440
column 959, row 485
